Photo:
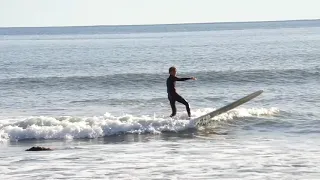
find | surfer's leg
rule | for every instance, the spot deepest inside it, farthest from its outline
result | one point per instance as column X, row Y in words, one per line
column 173, row 106
column 183, row 101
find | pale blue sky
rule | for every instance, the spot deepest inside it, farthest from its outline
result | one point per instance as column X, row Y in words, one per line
column 30, row 13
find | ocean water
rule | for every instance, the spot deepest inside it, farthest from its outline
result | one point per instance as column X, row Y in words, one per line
column 97, row 96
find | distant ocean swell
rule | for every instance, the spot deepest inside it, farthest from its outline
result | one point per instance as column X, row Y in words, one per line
column 126, row 29
column 148, row 80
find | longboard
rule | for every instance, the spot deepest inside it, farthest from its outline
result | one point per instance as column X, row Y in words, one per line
column 203, row 120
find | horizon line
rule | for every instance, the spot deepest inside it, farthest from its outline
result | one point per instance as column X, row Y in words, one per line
column 159, row 24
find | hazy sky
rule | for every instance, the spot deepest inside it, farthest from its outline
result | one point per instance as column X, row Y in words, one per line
column 118, row 12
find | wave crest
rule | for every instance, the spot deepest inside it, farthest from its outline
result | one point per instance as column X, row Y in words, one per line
column 68, row 127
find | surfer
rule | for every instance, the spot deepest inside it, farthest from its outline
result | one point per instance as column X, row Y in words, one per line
column 173, row 96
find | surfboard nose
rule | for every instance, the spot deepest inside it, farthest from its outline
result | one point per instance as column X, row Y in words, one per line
column 203, row 120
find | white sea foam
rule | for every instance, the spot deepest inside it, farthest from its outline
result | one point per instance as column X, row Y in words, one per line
column 66, row 127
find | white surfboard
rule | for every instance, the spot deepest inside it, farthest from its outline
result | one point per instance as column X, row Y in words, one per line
column 203, row 120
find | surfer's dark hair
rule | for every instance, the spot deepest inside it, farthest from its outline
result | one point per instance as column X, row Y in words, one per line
column 172, row 69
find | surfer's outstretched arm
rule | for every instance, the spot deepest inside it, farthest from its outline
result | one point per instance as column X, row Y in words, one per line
column 184, row 79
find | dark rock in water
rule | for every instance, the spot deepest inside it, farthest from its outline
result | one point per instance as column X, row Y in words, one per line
column 38, row 148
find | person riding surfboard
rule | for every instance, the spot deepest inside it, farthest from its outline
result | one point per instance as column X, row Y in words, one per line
column 173, row 96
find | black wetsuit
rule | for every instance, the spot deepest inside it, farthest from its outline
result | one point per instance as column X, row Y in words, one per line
column 173, row 96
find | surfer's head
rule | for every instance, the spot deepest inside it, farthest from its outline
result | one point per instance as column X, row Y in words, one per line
column 173, row 70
